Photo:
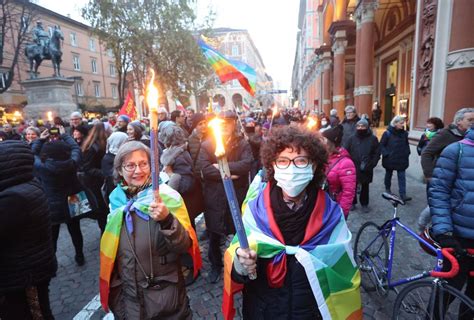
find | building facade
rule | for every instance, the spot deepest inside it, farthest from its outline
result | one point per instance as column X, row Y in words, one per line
column 84, row 59
column 236, row 44
column 412, row 58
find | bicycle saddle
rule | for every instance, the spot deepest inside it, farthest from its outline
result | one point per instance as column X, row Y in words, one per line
column 393, row 199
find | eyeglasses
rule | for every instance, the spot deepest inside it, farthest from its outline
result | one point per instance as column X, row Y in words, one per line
column 299, row 162
column 130, row 167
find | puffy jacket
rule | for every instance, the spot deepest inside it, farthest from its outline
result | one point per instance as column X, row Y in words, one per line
column 431, row 152
column 451, row 191
column 395, row 149
column 26, row 248
column 341, row 178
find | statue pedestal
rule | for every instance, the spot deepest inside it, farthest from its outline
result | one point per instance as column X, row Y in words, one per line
column 48, row 94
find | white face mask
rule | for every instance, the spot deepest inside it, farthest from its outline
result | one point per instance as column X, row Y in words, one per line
column 324, row 123
column 293, row 180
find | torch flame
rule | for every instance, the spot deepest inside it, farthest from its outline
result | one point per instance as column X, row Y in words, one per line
column 152, row 93
column 274, row 111
column 311, row 123
column 49, row 114
column 215, row 124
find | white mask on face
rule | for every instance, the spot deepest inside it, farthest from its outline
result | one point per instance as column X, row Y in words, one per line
column 324, row 123
column 293, row 180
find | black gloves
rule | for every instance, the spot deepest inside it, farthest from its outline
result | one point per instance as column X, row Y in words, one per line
column 449, row 241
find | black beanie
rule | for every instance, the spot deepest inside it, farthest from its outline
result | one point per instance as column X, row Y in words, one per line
column 195, row 119
column 334, row 135
column 56, row 150
column 82, row 129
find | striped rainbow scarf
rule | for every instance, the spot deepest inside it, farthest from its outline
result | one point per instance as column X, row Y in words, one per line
column 111, row 237
column 325, row 254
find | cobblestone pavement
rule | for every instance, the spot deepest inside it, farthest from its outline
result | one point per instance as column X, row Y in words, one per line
column 74, row 287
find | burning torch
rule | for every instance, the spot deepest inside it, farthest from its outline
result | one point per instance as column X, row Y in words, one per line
column 231, row 196
column 274, row 112
column 152, row 102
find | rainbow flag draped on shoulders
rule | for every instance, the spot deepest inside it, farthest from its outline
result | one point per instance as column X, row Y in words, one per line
column 227, row 69
column 111, row 237
column 325, row 254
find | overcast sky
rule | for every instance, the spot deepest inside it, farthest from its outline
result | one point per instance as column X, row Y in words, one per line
column 272, row 24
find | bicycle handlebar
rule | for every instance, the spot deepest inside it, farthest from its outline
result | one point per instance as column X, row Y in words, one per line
column 454, row 264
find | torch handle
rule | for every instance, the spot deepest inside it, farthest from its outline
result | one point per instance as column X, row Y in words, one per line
column 234, row 207
column 155, row 163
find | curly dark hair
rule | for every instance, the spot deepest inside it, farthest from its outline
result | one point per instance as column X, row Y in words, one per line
column 296, row 138
column 437, row 122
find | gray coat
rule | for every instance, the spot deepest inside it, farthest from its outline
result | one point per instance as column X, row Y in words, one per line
column 129, row 296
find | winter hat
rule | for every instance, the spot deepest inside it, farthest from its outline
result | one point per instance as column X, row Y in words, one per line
column 115, row 140
column 123, row 117
column 195, row 119
column 363, row 122
column 56, row 150
column 137, row 127
column 16, row 163
column 172, row 136
column 334, row 135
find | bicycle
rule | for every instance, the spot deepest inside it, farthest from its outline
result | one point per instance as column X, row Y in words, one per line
column 374, row 256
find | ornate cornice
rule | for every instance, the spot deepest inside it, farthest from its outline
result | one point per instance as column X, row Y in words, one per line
column 362, row 90
column 365, row 12
column 460, row 59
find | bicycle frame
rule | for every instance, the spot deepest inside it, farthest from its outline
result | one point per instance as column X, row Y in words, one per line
column 388, row 230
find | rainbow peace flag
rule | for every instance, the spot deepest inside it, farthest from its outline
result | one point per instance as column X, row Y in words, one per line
column 227, row 69
column 111, row 237
column 325, row 254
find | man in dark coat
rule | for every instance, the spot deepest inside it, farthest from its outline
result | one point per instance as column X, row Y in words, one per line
column 364, row 149
column 217, row 214
column 8, row 133
column 349, row 123
column 463, row 120
column 27, row 261
column 395, row 154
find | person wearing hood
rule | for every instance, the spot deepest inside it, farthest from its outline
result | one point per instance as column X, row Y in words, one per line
column 349, row 123
column 340, row 173
column 451, row 201
column 395, row 155
column 27, row 261
column 463, row 119
column 122, row 123
column 364, row 149
column 56, row 163
column 135, row 132
column 114, row 142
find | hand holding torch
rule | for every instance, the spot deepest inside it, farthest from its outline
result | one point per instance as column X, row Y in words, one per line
column 152, row 102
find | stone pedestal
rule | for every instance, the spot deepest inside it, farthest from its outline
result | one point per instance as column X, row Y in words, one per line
column 48, row 94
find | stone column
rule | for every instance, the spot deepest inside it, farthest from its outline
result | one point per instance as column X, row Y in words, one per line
column 365, row 52
column 326, row 78
column 339, row 48
column 460, row 59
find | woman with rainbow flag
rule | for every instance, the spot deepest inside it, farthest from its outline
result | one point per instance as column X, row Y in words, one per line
column 300, row 247
column 140, row 272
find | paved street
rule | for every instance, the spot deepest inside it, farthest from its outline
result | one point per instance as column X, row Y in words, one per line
column 75, row 287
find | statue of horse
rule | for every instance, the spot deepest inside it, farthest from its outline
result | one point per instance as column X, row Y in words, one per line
column 36, row 54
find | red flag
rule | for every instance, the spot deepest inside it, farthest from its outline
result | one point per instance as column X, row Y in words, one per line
column 129, row 108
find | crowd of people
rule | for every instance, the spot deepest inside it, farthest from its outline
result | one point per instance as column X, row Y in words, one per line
column 281, row 170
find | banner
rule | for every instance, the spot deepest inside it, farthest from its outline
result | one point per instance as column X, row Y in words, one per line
column 129, row 108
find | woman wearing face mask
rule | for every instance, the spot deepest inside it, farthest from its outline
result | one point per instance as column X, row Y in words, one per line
column 295, row 225
column 433, row 126
column 324, row 124
column 364, row 149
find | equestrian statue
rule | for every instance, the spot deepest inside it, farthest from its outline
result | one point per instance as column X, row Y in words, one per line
column 44, row 48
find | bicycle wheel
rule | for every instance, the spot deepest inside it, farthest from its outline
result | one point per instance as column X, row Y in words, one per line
column 433, row 300
column 371, row 255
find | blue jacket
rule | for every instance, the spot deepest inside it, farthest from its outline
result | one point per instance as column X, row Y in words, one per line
column 451, row 191
column 395, row 149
